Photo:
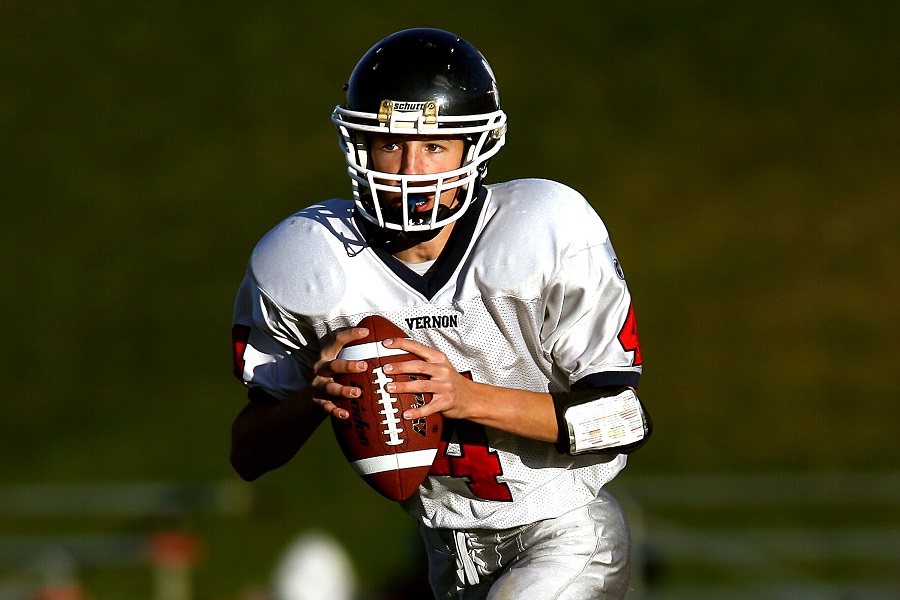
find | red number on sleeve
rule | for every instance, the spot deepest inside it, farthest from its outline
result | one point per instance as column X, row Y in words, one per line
column 239, row 336
column 628, row 337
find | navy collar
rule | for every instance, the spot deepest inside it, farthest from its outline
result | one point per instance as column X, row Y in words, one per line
column 437, row 277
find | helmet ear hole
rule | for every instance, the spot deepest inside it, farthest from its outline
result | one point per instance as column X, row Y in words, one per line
column 470, row 151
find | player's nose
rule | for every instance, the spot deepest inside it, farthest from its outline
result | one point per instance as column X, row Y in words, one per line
column 411, row 162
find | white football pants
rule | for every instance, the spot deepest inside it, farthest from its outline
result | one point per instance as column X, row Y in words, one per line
column 582, row 555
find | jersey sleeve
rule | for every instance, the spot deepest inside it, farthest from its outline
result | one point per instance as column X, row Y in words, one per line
column 588, row 314
column 272, row 349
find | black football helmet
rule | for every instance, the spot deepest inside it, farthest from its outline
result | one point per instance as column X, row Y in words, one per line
column 420, row 82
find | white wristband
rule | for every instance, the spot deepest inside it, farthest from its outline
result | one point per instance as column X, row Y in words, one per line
column 606, row 423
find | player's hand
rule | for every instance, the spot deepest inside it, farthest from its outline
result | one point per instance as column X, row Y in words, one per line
column 325, row 388
column 451, row 393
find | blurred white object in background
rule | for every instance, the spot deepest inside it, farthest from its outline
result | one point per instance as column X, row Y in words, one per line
column 314, row 567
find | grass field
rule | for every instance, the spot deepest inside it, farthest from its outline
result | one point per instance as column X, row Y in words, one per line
column 742, row 154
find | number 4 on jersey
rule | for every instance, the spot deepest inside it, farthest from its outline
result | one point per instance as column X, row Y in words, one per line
column 628, row 337
column 240, row 335
column 476, row 462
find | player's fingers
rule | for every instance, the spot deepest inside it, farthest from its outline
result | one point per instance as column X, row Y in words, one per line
column 421, row 350
column 332, row 409
column 420, row 413
column 331, row 349
column 409, row 367
column 333, row 389
column 432, row 370
column 325, row 387
column 437, row 404
column 330, row 368
column 329, row 365
column 421, row 385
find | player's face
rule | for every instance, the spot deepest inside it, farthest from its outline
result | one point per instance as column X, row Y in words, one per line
column 417, row 155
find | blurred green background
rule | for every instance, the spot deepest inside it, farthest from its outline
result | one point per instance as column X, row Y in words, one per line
column 744, row 156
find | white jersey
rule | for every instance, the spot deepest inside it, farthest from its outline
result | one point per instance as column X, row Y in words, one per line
column 527, row 294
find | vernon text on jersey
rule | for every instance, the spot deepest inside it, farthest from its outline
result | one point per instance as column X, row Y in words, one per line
column 433, row 322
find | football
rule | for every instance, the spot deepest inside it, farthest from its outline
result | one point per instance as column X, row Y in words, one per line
column 391, row 454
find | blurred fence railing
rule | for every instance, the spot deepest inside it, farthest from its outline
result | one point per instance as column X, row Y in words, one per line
column 822, row 536
column 815, row 536
column 37, row 561
column 122, row 499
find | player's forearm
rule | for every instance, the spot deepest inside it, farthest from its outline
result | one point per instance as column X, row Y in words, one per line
column 529, row 414
column 265, row 436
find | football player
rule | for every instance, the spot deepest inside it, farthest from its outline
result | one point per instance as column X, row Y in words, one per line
column 515, row 305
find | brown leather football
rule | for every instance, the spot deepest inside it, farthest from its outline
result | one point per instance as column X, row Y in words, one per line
column 391, row 454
